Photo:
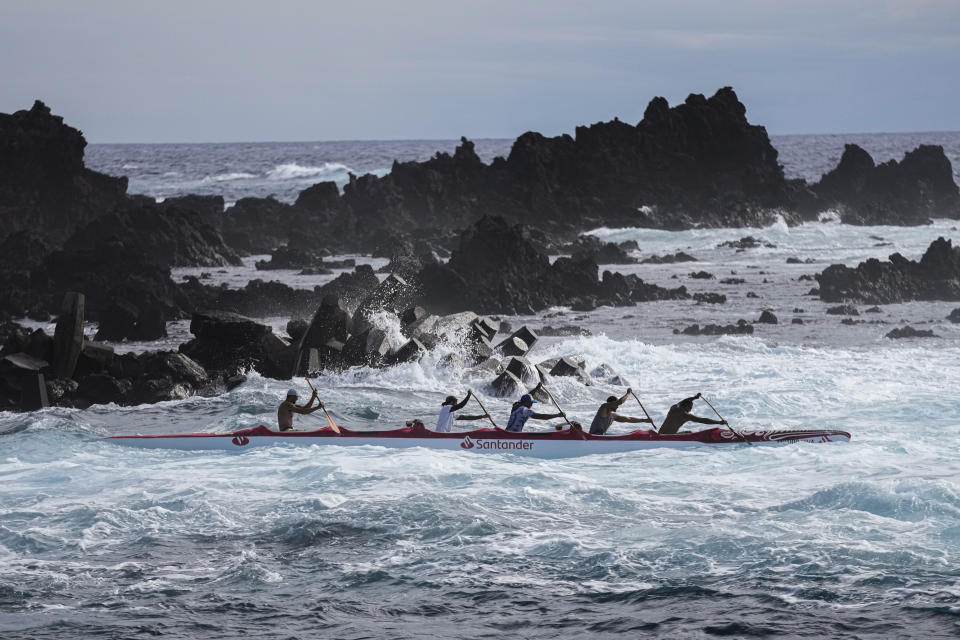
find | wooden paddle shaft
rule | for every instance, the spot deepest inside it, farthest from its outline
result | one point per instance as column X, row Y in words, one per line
column 489, row 417
column 557, row 405
column 333, row 425
column 652, row 426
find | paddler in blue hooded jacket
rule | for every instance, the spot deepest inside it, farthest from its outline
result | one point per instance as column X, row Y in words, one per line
column 523, row 411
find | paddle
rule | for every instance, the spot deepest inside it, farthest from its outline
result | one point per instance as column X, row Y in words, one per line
column 653, row 427
column 333, row 425
column 484, row 409
column 557, row 405
column 739, row 435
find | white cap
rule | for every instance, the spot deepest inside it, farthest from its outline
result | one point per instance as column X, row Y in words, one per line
column 293, row 392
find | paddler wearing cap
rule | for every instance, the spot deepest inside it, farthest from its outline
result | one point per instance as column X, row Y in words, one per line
column 289, row 407
column 523, row 411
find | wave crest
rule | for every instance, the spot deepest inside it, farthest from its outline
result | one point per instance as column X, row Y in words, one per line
column 294, row 171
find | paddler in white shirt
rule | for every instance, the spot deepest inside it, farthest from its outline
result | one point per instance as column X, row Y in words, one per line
column 448, row 412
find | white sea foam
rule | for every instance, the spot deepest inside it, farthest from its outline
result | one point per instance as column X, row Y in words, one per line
column 294, row 171
column 227, row 177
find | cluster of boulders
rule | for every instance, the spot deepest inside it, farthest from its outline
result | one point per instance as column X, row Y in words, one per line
column 69, row 369
column 742, row 327
column 936, row 276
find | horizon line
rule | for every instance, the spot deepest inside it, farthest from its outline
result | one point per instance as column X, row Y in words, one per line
column 489, row 138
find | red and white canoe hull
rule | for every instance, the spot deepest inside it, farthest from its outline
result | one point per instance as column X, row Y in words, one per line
column 557, row 444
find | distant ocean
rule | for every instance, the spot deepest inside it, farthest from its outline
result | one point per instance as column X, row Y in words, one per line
column 283, row 169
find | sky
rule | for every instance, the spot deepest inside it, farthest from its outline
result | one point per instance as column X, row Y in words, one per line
column 206, row 71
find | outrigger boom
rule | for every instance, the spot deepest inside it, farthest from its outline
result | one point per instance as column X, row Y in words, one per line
column 568, row 443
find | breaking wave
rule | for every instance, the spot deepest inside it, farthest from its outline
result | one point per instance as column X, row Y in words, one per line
column 294, row 171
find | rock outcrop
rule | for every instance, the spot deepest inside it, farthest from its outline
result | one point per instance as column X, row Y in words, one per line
column 908, row 192
column 44, row 186
column 936, row 276
column 497, row 269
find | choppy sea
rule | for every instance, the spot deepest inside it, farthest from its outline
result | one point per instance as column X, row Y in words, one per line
column 851, row 540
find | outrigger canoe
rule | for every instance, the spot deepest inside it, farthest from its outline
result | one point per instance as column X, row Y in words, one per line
column 554, row 444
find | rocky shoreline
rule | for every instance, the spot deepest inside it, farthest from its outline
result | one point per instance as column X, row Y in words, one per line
column 467, row 242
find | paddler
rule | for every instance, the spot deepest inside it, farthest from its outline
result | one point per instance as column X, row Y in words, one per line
column 523, row 411
column 448, row 412
column 289, row 407
column 606, row 415
column 679, row 415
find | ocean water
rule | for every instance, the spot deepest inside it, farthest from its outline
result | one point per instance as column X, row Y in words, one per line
column 842, row 540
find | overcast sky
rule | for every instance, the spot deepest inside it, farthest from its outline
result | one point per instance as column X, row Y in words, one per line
column 199, row 71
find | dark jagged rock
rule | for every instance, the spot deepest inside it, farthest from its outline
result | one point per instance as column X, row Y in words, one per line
column 325, row 337
column 565, row 367
column 513, row 347
column 497, row 269
column 910, row 332
column 594, row 249
column 767, row 317
column 716, row 330
column 122, row 320
column 733, row 281
column 352, row 287
column 954, row 316
column 489, row 328
column 528, row 335
column 106, row 270
column 411, row 351
column 23, row 251
column 230, row 344
column 522, row 369
column 746, row 242
column 262, row 299
column 670, row 258
column 102, row 388
column 368, row 348
column 909, row 192
column 411, row 315
column 68, row 335
column 702, row 275
column 843, row 310
column 43, row 183
column 936, row 276
column 710, row 298
column 166, row 235
column 507, row 385
column 296, row 328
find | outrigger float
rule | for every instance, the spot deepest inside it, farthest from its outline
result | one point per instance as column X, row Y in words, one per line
column 572, row 442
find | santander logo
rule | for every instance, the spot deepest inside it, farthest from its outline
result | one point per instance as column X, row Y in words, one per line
column 488, row 444
column 240, row 440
